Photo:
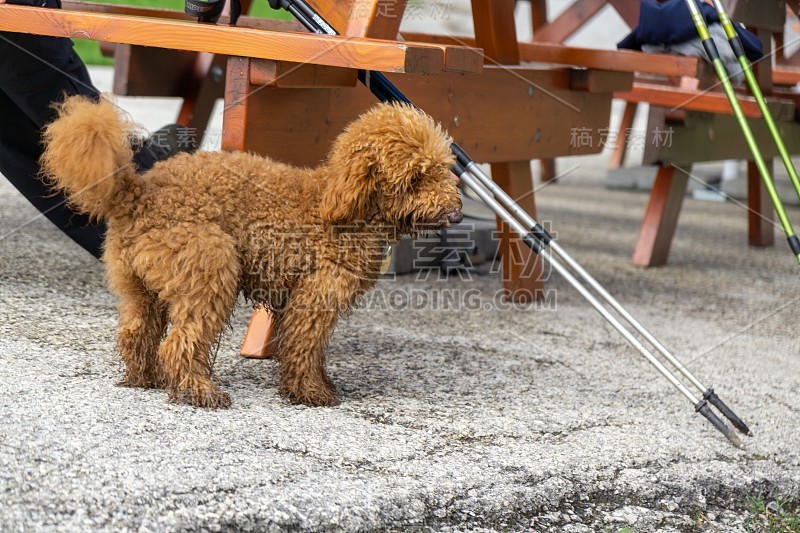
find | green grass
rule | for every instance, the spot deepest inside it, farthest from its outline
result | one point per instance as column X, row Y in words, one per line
column 90, row 50
column 774, row 516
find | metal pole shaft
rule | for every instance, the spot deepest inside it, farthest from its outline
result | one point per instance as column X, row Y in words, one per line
column 536, row 229
column 517, row 226
column 766, row 175
column 386, row 91
column 509, row 203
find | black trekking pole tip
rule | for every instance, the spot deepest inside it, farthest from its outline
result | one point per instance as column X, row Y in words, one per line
column 703, row 408
column 737, row 422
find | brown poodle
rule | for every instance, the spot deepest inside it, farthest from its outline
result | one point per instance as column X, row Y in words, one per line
column 185, row 238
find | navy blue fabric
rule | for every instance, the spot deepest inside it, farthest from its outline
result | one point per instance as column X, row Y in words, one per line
column 670, row 22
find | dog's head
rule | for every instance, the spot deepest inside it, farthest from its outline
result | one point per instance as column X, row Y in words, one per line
column 392, row 164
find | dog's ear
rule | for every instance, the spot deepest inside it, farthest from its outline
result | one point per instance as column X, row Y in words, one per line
column 349, row 193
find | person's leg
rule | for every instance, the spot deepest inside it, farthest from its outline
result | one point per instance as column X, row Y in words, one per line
column 20, row 150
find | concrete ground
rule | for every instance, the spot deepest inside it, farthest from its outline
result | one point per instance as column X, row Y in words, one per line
column 459, row 411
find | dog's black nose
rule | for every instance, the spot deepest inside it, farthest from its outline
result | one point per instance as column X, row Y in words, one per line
column 456, row 217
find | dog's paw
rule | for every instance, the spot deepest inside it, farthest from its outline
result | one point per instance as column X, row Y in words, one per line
column 313, row 397
column 141, row 382
column 210, row 398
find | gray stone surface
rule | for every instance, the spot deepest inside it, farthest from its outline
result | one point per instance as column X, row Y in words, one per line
column 462, row 416
column 459, row 411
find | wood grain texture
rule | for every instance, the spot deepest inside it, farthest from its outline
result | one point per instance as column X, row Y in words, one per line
column 621, row 147
column 692, row 100
column 786, row 76
column 628, row 10
column 495, row 30
column 559, row 54
column 385, row 56
column 121, row 9
column 523, row 279
column 660, row 218
column 300, row 75
column 237, row 104
column 761, row 216
column 568, row 21
column 495, row 116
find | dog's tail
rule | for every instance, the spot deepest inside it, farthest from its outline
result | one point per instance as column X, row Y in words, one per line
column 88, row 154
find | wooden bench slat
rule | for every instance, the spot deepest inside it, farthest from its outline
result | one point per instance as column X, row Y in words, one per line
column 614, row 60
column 154, row 12
column 709, row 102
column 569, row 21
column 464, row 60
column 387, row 56
column 786, row 76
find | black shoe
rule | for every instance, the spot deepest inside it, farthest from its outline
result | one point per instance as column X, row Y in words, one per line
column 164, row 143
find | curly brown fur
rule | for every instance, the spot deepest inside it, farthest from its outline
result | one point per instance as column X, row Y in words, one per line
column 187, row 237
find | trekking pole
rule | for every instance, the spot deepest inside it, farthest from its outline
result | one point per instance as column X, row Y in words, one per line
column 766, row 176
column 536, row 237
column 755, row 89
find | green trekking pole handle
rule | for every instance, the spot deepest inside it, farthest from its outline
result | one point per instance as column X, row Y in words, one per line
column 755, row 89
column 766, row 175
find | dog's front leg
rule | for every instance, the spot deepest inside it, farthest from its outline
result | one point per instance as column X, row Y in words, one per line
column 305, row 327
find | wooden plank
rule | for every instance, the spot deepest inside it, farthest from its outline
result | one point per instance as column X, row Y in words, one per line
column 761, row 216
column 362, row 18
column 761, row 15
column 300, row 75
column 661, row 218
column 709, row 102
column 522, row 269
column 495, row 30
column 628, row 10
column 707, row 137
column 296, row 47
column 620, row 149
column 237, row 103
column 786, row 76
column 538, row 14
column 146, row 71
column 600, row 81
column 199, row 101
column 121, row 9
column 613, row 60
column 505, row 114
column 569, row 21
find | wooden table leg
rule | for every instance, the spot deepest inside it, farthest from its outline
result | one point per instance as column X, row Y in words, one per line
column 199, row 100
column 522, row 269
column 761, row 217
column 620, row 148
column 256, row 343
column 661, row 218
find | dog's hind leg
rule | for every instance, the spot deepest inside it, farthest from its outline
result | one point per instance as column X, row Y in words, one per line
column 304, row 328
column 142, row 323
column 199, row 275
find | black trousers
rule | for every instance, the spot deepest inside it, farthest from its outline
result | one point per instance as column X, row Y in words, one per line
column 35, row 73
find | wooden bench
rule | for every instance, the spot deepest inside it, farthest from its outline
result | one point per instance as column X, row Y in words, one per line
column 686, row 102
